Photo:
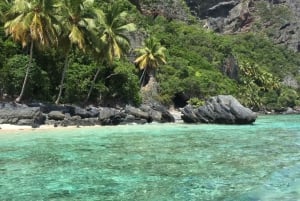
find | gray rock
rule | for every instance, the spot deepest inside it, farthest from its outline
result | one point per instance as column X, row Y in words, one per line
column 83, row 113
column 75, row 118
column 137, row 112
column 12, row 113
column 158, row 112
column 291, row 81
column 111, row 116
column 189, row 116
column 93, row 111
column 222, row 109
column 290, row 111
column 47, row 108
column 56, row 115
column 23, row 122
column 107, row 112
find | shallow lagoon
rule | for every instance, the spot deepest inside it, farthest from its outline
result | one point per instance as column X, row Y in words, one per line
column 156, row 162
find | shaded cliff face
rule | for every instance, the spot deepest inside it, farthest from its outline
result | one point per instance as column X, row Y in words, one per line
column 292, row 29
column 171, row 9
column 279, row 19
column 202, row 8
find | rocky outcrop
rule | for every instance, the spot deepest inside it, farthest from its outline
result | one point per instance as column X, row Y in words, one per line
column 229, row 16
column 289, row 33
column 233, row 16
column 174, row 9
column 56, row 115
column 219, row 109
column 69, row 115
column 11, row 113
column 230, row 68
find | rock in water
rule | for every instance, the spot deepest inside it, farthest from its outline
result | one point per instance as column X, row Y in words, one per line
column 222, row 109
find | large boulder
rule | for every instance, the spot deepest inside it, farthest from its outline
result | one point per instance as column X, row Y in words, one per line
column 222, row 109
column 110, row 116
column 12, row 113
column 158, row 112
column 56, row 115
column 138, row 113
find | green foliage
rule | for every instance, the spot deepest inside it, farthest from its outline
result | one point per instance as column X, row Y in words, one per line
column 288, row 97
column 115, row 85
column 195, row 57
column 77, row 82
column 12, row 76
column 7, row 49
column 196, row 102
column 256, row 85
column 123, row 85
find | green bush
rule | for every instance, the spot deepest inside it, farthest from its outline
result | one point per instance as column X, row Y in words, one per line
column 288, row 97
column 77, row 82
column 12, row 76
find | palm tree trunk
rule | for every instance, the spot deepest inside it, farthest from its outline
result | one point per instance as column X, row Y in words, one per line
column 92, row 86
column 63, row 75
column 19, row 98
column 142, row 79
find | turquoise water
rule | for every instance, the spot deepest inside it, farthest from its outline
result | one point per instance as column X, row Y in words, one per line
column 157, row 162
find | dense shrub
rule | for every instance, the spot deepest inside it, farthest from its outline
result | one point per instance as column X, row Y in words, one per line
column 12, row 76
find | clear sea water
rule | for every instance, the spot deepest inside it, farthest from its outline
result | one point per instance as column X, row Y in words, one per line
column 156, row 162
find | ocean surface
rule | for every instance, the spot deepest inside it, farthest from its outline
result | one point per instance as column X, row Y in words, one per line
column 155, row 162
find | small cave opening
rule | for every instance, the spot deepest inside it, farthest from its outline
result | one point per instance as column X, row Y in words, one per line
column 180, row 100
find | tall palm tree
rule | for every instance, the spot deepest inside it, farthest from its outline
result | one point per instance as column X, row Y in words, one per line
column 77, row 23
column 31, row 22
column 114, row 43
column 149, row 58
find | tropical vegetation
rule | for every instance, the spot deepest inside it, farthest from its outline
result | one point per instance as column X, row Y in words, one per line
column 105, row 53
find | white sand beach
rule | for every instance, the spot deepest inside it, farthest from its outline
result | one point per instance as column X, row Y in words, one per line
column 16, row 127
column 10, row 127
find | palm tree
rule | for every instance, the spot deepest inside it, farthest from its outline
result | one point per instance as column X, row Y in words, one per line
column 77, row 17
column 149, row 58
column 114, row 43
column 4, row 5
column 31, row 22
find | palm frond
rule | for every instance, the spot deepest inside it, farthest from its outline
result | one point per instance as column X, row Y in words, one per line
column 77, row 37
column 151, row 55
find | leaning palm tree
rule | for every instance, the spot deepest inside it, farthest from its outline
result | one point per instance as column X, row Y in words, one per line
column 149, row 58
column 77, row 24
column 114, row 43
column 30, row 23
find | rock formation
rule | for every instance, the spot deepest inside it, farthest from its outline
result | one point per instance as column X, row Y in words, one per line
column 219, row 109
column 70, row 115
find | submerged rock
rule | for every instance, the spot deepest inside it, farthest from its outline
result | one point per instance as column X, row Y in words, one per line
column 222, row 109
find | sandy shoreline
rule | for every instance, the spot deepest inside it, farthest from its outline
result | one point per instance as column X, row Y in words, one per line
column 11, row 127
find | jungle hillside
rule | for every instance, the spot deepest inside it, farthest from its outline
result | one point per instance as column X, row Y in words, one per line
column 118, row 52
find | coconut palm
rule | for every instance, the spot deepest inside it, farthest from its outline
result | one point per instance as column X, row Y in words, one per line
column 114, row 43
column 149, row 58
column 31, row 22
column 77, row 24
column 4, row 5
